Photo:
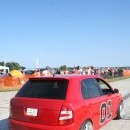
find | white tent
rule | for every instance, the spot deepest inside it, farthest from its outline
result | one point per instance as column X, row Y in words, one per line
column 4, row 69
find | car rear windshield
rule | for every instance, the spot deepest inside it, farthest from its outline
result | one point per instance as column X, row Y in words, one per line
column 47, row 89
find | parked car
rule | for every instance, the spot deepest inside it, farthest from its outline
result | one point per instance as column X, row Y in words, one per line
column 70, row 102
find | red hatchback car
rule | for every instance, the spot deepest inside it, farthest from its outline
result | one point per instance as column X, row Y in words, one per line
column 71, row 102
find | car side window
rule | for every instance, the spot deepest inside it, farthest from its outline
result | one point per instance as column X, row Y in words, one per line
column 89, row 88
column 84, row 90
column 106, row 89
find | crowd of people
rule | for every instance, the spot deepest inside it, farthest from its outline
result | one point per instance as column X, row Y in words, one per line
column 104, row 72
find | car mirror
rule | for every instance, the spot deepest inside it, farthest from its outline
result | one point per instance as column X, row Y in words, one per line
column 116, row 90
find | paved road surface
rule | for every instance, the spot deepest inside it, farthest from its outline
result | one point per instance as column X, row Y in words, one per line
column 123, row 86
column 4, row 108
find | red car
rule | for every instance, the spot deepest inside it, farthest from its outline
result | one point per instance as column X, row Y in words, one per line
column 71, row 102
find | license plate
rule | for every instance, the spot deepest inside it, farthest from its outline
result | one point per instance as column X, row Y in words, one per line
column 31, row 112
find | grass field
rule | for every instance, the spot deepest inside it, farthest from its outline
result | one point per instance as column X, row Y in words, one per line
column 9, row 89
column 117, row 79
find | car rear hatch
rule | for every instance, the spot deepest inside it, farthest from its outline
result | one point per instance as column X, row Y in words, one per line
column 39, row 101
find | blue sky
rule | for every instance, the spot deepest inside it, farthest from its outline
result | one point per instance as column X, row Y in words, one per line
column 65, row 32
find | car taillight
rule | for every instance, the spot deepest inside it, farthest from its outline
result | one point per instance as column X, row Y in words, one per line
column 66, row 116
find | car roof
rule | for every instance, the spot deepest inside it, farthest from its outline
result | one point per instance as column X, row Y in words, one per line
column 67, row 77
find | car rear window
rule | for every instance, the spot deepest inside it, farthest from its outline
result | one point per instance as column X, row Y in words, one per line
column 47, row 89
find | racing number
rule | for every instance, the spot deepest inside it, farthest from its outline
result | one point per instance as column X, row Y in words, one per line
column 109, row 109
column 105, row 111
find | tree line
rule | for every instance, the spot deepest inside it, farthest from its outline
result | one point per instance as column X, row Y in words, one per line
column 12, row 65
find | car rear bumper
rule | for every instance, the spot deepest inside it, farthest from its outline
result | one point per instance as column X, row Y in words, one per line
column 18, row 125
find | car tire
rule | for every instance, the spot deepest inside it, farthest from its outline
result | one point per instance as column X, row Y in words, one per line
column 121, row 111
column 87, row 125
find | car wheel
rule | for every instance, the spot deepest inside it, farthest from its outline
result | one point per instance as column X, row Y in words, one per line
column 121, row 111
column 87, row 125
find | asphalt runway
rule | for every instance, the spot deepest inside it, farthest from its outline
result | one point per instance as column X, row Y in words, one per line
column 123, row 86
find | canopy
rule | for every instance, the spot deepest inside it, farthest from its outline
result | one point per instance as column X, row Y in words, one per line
column 4, row 67
column 16, row 73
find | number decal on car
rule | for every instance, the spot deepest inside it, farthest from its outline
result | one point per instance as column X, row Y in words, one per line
column 109, row 109
column 105, row 111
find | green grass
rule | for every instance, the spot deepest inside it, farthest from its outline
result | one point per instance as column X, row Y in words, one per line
column 117, row 79
column 5, row 89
